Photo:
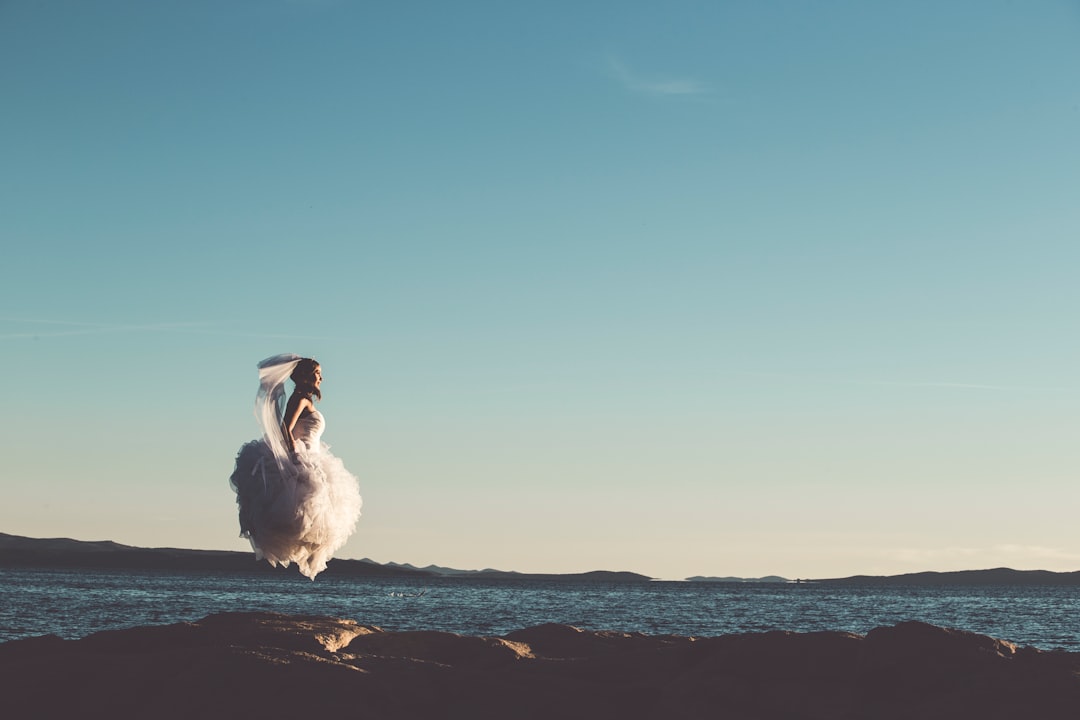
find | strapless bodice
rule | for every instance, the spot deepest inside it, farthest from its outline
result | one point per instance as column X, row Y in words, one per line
column 309, row 429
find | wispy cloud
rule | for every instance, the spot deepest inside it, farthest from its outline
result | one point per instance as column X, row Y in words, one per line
column 65, row 328
column 650, row 84
column 932, row 555
column 68, row 328
column 954, row 385
column 994, row 555
column 1040, row 552
column 911, row 383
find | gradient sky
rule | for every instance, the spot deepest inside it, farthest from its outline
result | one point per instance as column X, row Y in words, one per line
column 682, row 288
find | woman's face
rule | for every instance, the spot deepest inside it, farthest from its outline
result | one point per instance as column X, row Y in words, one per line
column 317, row 376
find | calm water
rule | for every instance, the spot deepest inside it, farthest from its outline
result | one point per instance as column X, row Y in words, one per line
column 75, row 604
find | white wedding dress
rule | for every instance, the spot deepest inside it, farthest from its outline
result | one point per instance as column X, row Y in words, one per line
column 300, row 509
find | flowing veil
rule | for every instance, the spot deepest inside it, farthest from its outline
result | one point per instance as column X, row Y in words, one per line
column 270, row 405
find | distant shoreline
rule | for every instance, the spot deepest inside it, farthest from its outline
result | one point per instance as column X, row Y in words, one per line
column 24, row 552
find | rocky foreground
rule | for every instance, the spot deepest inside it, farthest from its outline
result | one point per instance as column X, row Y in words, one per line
column 262, row 665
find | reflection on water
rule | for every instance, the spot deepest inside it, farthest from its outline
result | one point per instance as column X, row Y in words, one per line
column 75, row 604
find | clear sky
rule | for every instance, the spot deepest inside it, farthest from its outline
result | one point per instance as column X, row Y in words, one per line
column 682, row 288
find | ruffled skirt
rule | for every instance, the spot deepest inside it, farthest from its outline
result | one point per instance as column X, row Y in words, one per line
column 302, row 516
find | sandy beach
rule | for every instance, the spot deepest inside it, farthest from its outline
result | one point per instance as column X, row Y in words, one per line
column 263, row 665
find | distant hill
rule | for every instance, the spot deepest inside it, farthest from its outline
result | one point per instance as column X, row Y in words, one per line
column 18, row 551
column 996, row 576
column 766, row 579
column 605, row 576
column 489, row 573
column 439, row 570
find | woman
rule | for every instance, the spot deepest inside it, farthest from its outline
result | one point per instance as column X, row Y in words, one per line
column 297, row 501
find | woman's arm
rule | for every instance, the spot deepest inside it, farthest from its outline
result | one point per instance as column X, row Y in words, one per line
column 296, row 406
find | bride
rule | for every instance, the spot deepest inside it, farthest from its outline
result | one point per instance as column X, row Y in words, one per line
column 297, row 501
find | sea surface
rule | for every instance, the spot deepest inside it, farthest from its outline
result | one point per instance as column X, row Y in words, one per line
column 74, row 604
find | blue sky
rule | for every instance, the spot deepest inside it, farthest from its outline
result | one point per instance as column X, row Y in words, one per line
column 720, row 288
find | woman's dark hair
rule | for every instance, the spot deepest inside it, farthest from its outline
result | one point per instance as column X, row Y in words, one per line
column 304, row 377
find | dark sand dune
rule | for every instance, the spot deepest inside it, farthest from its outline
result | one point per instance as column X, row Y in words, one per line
column 261, row 665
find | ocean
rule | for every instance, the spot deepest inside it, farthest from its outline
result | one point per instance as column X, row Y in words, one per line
column 73, row 604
